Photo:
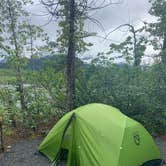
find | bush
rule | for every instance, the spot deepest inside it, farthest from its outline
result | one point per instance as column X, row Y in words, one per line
column 140, row 93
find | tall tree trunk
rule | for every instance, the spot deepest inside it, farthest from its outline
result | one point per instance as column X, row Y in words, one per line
column 71, row 59
column 1, row 136
column 137, row 58
column 163, row 73
column 163, row 58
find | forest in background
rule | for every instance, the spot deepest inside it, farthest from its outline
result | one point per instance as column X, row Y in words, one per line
column 35, row 91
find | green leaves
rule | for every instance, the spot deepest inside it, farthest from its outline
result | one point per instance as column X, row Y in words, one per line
column 158, row 29
column 135, row 91
column 63, row 33
column 132, row 49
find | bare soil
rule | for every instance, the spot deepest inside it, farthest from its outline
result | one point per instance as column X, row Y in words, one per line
column 24, row 153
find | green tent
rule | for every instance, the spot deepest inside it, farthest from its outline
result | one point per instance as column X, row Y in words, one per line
column 100, row 135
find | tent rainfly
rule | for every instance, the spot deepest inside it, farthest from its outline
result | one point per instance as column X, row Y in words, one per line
column 100, row 135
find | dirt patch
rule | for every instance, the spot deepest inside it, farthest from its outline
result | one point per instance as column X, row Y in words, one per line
column 161, row 142
column 24, row 153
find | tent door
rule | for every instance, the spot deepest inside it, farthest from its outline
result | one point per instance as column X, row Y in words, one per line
column 63, row 157
column 156, row 162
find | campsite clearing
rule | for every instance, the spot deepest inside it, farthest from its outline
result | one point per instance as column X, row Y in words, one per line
column 22, row 154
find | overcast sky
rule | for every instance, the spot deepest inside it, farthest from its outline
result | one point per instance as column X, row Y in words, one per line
column 129, row 11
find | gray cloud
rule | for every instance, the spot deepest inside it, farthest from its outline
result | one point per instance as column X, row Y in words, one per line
column 129, row 11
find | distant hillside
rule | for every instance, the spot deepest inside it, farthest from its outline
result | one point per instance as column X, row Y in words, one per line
column 57, row 61
column 36, row 63
column 3, row 63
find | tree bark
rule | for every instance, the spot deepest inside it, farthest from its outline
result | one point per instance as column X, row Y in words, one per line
column 71, row 58
column 137, row 58
column 1, row 136
column 163, row 58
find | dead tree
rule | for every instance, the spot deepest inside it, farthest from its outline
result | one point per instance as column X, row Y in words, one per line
column 136, row 42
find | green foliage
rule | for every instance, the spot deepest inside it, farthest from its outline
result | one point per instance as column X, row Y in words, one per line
column 132, row 49
column 8, row 104
column 63, row 33
column 158, row 10
column 158, row 28
column 39, row 109
column 138, row 92
column 135, row 91
column 7, row 77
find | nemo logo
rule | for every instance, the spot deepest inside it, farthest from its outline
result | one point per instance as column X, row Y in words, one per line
column 137, row 139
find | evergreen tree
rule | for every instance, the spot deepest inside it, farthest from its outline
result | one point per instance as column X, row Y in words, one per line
column 158, row 29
